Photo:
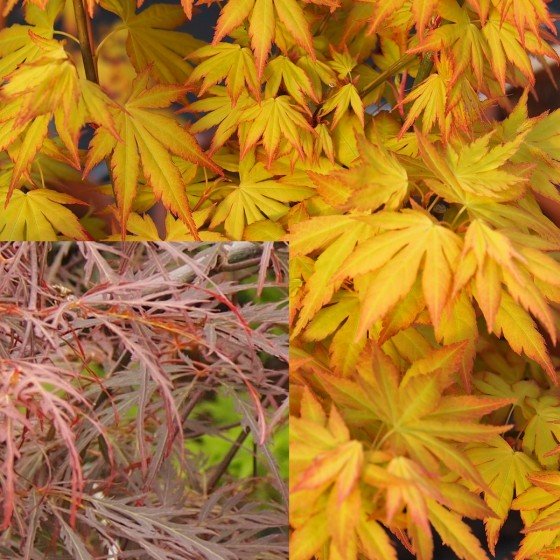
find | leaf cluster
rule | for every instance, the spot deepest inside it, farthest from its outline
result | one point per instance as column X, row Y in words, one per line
column 113, row 358
column 425, row 289
column 281, row 93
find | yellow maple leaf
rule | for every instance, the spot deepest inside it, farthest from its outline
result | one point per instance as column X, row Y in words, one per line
column 542, row 433
column 16, row 41
column 152, row 42
column 226, row 61
column 461, row 36
column 508, row 281
column 328, row 471
column 375, row 179
column 262, row 25
column 418, row 426
column 39, row 215
column 31, row 102
column 274, row 120
column 475, row 171
column 508, row 45
column 429, row 99
column 221, row 113
column 336, row 237
column 148, row 139
column 527, row 14
column 258, row 195
column 340, row 101
column 504, row 471
column 408, row 239
column 281, row 70
column 538, row 506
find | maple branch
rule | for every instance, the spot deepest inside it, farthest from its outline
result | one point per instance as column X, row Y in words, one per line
column 223, row 466
column 83, row 26
column 85, row 41
column 235, row 252
column 232, row 253
column 424, row 70
column 388, row 73
column 427, row 64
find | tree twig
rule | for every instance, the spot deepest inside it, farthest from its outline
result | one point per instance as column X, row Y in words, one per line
column 223, row 466
column 424, row 70
column 85, row 41
column 236, row 252
column 388, row 73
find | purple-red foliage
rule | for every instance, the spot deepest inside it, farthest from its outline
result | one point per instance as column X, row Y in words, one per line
column 105, row 351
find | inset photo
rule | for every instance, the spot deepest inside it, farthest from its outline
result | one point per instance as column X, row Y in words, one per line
column 143, row 401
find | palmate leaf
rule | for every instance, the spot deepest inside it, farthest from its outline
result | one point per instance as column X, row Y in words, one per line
column 462, row 36
column 151, row 43
column 281, row 70
column 329, row 465
column 375, row 179
column 340, row 102
column 31, row 102
column 543, row 496
column 503, row 34
column 526, row 14
column 258, row 195
column 409, row 239
column 509, row 45
column 421, row 427
column 504, row 471
column 408, row 484
column 278, row 123
column 431, row 100
column 344, row 349
column 542, row 434
column 539, row 506
column 39, row 215
column 500, row 43
column 221, row 114
column 262, row 25
column 478, row 169
column 228, row 61
column 412, row 240
column 335, row 237
column 341, row 465
column 518, row 328
column 149, row 137
column 16, row 41
column 539, row 147
column 509, row 281
column 416, row 417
